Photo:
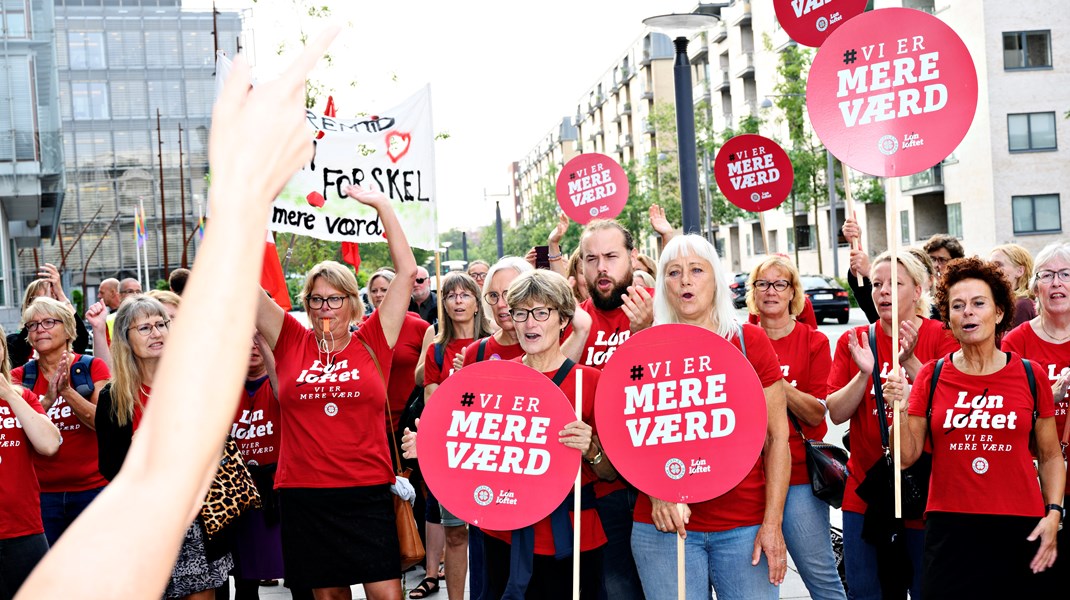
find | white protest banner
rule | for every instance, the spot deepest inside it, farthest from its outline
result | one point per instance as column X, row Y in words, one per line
column 392, row 151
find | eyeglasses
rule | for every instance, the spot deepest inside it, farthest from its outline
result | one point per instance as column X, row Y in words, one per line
column 779, row 285
column 128, row 292
column 420, row 280
column 462, row 296
column 146, row 329
column 539, row 313
column 1049, row 276
column 939, row 260
column 493, row 297
column 478, row 276
column 334, row 302
column 45, row 324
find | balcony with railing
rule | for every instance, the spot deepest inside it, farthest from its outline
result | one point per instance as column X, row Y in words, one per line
column 746, row 70
column 721, row 80
column 743, row 16
column 927, row 182
column 719, row 32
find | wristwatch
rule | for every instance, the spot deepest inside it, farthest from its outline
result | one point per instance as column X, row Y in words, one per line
column 1060, row 510
column 597, row 459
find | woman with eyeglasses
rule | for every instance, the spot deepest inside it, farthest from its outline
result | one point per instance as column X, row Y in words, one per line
column 67, row 383
column 48, row 285
column 334, row 470
column 27, row 432
column 139, row 336
column 478, row 270
column 775, row 294
column 1045, row 340
column 463, row 321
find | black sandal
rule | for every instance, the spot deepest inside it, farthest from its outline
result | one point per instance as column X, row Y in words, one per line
column 427, row 587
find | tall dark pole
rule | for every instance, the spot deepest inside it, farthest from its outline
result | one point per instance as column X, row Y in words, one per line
column 834, row 229
column 464, row 245
column 498, row 221
column 163, row 207
column 182, row 195
column 215, row 33
column 685, row 133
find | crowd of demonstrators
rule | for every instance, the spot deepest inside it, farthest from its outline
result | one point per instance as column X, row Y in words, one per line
column 67, row 384
column 733, row 542
column 1016, row 265
column 463, row 322
column 984, row 497
column 775, row 294
column 862, row 357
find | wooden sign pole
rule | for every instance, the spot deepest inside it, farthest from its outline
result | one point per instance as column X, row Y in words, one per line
column 576, row 508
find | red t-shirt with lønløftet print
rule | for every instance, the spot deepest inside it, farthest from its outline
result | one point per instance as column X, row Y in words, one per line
column 20, row 502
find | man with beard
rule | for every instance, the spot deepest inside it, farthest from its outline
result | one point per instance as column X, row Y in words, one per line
column 617, row 310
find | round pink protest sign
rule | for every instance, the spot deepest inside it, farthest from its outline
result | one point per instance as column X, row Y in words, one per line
column 489, row 448
column 592, row 186
column 810, row 22
column 753, row 172
column 892, row 92
column 680, row 413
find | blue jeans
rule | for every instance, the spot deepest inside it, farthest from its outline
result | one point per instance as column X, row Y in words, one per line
column 807, row 536
column 860, row 560
column 60, row 509
column 720, row 558
column 620, row 579
column 18, row 557
column 477, row 570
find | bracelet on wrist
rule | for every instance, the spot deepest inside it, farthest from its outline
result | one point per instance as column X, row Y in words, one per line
column 555, row 256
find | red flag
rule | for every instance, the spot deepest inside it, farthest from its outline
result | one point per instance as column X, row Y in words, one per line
column 351, row 254
column 271, row 276
column 330, row 110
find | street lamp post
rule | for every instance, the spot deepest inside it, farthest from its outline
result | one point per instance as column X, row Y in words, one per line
column 447, row 245
column 679, row 27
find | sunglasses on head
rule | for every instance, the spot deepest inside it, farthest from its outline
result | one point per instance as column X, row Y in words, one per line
column 421, row 279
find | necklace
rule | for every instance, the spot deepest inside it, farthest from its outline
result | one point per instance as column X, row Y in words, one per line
column 1058, row 340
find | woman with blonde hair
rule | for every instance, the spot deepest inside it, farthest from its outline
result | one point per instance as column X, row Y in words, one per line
column 67, row 383
column 170, row 301
column 137, row 345
column 48, row 285
column 1016, row 265
column 775, row 294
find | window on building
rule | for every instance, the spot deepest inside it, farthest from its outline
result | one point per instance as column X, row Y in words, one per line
column 128, row 100
column 86, row 49
column 904, row 226
column 803, row 239
column 1036, row 214
column 1031, row 131
column 1027, row 50
column 126, row 49
column 16, row 18
column 18, row 125
column 162, row 49
column 954, row 220
column 89, row 100
column 166, row 96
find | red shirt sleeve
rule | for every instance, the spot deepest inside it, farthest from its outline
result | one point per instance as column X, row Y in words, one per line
column 1045, row 397
column 843, row 366
column 808, row 317
column 98, row 370
column 761, row 355
column 16, row 375
column 919, row 393
column 432, row 372
column 820, row 365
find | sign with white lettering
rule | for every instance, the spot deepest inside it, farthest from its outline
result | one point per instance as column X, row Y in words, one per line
column 681, row 422
column 592, row 186
column 753, row 172
column 489, row 448
column 892, row 92
column 810, row 22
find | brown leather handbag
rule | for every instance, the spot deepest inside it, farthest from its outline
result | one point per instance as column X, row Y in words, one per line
column 412, row 547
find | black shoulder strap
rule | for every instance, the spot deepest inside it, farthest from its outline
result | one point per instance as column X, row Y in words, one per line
column 932, row 386
column 563, row 371
column 440, row 355
column 482, row 349
column 1032, row 387
column 878, row 393
column 29, row 374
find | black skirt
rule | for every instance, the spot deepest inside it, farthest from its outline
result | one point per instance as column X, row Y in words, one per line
column 338, row 537
column 982, row 556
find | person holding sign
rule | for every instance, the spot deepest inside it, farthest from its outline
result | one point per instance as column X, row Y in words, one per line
column 775, row 294
column 981, row 409
column 870, row 563
column 334, row 470
column 541, row 306
column 734, row 541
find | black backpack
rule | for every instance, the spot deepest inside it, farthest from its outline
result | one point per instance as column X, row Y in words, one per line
column 81, row 379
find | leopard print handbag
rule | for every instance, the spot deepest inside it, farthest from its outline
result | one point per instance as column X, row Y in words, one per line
column 231, row 493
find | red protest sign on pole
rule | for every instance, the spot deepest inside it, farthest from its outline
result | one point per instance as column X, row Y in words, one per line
column 592, row 186
column 489, row 448
column 683, row 422
column 753, row 172
column 892, row 92
column 810, row 22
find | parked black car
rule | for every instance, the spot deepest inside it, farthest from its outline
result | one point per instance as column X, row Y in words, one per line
column 739, row 290
column 829, row 299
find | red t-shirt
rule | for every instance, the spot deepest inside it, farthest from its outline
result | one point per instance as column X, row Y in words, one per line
column 981, row 458
column 433, row 374
column 332, row 413
column 591, row 534
column 403, row 370
column 256, row 423
column 805, row 361
column 933, row 342
column 1050, row 358
column 74, row 467
column 743, row 505
column 20, row 507
column 493, row 351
